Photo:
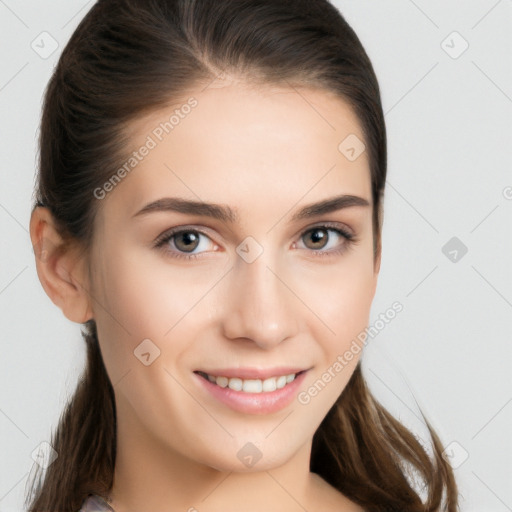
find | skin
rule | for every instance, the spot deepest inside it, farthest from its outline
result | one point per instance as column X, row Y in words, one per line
column 266, row 152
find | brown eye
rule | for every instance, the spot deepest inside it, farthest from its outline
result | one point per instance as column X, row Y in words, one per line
column 326, row 240
column 318, row 237
column 186, row 243
column 186, row 240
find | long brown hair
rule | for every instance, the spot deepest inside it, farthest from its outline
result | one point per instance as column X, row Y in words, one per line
column 130, row 57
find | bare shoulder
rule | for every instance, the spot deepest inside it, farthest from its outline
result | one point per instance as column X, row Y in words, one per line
column 332, row 500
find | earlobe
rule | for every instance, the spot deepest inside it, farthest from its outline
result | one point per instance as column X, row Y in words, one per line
column 60, row 267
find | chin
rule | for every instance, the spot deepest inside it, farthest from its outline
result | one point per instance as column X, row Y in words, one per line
column 247, row 457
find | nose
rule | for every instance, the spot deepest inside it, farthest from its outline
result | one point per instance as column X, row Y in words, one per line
column 259, row 306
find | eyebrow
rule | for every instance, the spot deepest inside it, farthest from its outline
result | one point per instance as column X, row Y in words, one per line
column 229, row 215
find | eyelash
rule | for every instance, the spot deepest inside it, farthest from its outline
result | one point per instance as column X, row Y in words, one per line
column 166, row 237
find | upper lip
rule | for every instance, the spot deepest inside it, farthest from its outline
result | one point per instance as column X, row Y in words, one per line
column 253, row 373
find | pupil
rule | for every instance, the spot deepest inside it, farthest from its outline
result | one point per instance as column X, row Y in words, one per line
column 318, row 235
column 189, row 238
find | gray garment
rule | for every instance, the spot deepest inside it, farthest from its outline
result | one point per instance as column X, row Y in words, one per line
column 94, row 503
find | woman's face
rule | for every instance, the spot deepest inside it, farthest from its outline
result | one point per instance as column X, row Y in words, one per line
column 253, row 292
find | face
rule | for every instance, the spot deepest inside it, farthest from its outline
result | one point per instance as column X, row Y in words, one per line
column 258, row 292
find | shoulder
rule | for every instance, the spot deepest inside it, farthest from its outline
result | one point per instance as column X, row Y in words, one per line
column 94, row 503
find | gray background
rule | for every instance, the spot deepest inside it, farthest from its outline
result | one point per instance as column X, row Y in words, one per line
column 448, row 116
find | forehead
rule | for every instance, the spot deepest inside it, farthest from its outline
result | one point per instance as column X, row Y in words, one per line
column 243, row 145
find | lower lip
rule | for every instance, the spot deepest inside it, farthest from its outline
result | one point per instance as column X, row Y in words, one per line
column 254, row 403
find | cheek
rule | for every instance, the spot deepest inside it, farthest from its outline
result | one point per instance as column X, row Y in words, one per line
column 141, row 296
column 341, row 300
column 126, row 312
column 143, row 300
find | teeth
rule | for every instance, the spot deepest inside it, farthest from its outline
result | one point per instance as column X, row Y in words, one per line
column 220, row 381
column 270, row 384
column 253, row 385
column 281, row 382
column 236, row 384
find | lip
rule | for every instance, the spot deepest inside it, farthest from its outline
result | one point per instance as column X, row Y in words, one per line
column 252, row 372
column 253, row 403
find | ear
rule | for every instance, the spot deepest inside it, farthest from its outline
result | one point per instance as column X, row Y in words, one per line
column 61, row 267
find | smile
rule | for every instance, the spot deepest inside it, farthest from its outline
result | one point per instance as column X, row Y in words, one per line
column 251, row 385
column 250, row 395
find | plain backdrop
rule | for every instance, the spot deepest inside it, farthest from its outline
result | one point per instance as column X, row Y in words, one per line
column 445, row 72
